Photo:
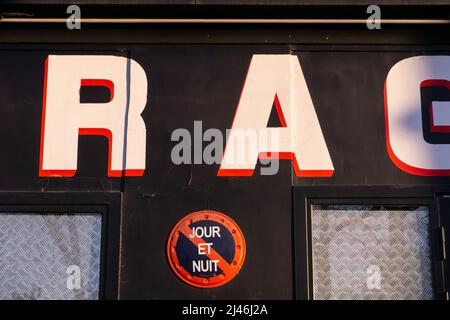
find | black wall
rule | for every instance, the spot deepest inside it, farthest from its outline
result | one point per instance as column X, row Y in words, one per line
column 189, row 82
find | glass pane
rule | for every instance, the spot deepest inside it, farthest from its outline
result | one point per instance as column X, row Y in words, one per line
column 371, row 252
column 50, row 256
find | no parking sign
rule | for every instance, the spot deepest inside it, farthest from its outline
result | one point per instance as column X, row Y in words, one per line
column 206, row 249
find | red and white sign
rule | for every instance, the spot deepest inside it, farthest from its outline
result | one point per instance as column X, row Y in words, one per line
column 206, row 249
column 275, row 79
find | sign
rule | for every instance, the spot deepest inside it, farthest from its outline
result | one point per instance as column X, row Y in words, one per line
column 233, row 111
column 271, row 78
column 206, row 249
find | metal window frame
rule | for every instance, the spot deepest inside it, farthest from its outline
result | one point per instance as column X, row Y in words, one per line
column 108, row 204
column 305, row 197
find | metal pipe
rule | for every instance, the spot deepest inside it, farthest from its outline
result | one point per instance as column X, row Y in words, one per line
column 221, row 21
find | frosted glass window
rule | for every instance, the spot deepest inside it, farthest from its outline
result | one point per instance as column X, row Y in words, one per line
column 50, row 256
column 371, row 252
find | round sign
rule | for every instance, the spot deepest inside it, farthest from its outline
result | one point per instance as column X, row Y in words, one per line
column 206, row 249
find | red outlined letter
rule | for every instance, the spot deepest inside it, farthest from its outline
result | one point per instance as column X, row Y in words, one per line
column 64, row 118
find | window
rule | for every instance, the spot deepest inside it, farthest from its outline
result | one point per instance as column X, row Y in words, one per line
column 368, row 243
column 371, row 252
column 50, row 256
column 60, row 246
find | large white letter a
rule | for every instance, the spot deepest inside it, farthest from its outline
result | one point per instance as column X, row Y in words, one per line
column 276, row 80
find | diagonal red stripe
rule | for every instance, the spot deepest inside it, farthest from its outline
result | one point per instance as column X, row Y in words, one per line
column 213, row 255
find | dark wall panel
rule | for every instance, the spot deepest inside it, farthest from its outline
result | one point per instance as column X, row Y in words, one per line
column 203, row 82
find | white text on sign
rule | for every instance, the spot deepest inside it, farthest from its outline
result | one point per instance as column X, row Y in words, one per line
column 205, row 248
